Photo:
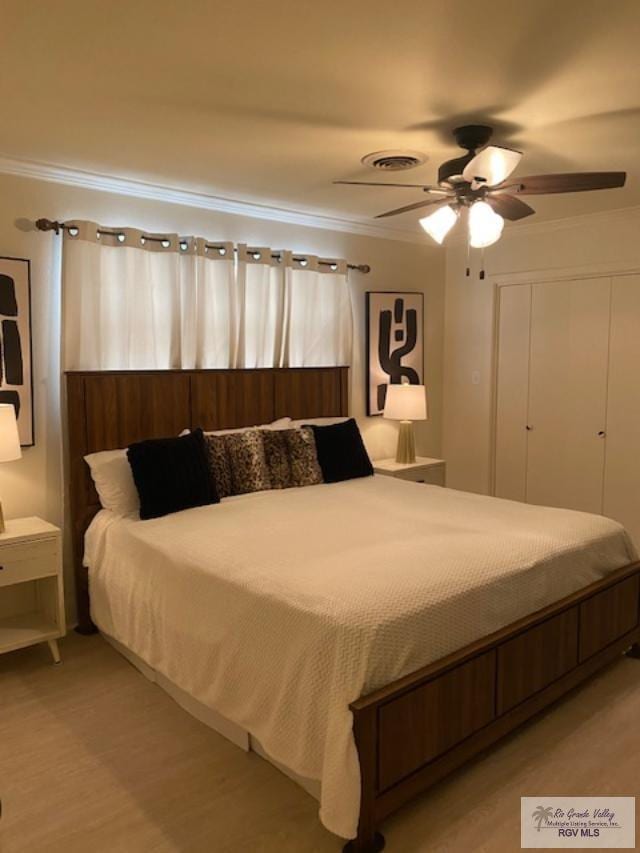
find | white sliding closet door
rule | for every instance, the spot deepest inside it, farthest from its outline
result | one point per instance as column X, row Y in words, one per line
column 512, row 392
column 622, row 471
column 568, row 393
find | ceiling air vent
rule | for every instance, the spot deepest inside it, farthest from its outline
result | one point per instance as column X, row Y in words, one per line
column 394, row 161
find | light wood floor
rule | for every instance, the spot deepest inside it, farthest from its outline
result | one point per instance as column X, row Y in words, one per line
column 94, row 758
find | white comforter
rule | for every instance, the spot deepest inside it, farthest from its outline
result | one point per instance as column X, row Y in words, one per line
column 278, row 609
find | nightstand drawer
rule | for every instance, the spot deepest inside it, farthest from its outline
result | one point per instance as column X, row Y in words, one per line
column 433, row 475
column 28, row 561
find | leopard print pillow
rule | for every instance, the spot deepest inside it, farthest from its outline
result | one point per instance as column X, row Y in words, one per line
column 303, row 458
column 219, row 464
column 291, row 458
column 253, row 460
column 276, row 451
column 249, row 471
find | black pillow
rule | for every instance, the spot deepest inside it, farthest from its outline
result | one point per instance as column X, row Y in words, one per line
column 341, row 452
column 171, row 474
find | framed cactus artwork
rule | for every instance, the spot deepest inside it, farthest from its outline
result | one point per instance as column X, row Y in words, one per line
column 15, row 343
column 395, row 345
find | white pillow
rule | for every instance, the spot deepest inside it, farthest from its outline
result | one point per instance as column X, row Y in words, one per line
column 281, row 423
column 114, row 482
column 318, row 421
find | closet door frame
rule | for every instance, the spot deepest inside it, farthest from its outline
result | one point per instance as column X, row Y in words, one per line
column 548, row 275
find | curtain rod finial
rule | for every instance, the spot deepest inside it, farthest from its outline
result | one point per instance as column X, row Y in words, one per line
column 48, row 225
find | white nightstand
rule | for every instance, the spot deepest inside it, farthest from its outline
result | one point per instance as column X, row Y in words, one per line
column 31, row 591
column 423, row 470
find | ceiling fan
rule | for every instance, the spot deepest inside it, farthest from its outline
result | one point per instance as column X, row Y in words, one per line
column 481, row 181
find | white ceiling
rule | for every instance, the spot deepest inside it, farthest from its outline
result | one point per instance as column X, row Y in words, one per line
column 270, row 102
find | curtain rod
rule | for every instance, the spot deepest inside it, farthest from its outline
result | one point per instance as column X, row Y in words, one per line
column 52, row 225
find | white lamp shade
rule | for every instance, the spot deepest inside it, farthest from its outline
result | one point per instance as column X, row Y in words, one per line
column 485, row 225
column 9, row 438
column 438, row 224
column 491, row 166
column 406, row 403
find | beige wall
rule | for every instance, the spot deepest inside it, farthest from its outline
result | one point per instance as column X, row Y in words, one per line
column 597, row 243
column 33, row 485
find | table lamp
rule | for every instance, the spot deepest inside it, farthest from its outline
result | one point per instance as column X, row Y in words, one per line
column 406, row 403
column 9, row 441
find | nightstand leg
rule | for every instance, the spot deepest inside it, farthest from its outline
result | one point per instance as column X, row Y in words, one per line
column 55, row 651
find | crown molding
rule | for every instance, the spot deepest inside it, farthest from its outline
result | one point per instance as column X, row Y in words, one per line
column 157, row 192
column 135, row 188
column 525, row 228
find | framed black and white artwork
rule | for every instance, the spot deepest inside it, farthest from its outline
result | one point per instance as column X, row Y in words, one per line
column 395, row 344
column 16, row 385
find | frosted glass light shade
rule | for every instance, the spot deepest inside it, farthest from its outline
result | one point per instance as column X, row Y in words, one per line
column 491, row 166
column 9, row 438
column 438, row 224
column 485, row 225
column 406, row 403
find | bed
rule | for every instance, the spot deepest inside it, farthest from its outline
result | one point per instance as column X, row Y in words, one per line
column 370, row 635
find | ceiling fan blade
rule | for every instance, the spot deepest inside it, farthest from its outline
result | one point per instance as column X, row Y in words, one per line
column 424, row 187
column 409, row 207
column 508, row 206
column 573, row 182
column 491, row 166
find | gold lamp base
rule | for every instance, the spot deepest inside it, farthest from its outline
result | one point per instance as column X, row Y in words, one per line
column 406, row 452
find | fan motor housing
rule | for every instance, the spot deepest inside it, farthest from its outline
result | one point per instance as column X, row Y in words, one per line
column 471, row 137
column 450, row 172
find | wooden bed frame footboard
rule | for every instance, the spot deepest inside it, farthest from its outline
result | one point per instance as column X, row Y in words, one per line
column 412, row 733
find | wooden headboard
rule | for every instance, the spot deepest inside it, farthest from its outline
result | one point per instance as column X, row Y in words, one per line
column 108, row 410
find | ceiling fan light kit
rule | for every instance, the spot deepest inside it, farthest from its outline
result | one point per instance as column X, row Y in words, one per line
column 485, row 226
column 491, row 166
column 481, row 181
column 438, row 224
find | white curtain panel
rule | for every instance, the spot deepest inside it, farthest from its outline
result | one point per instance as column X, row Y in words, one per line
column 209, row 322
column 261, row 306
column 121, row 304
column 319, row 322
column 135, row 301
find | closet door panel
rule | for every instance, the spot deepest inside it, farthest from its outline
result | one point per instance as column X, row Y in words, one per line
column 512, row 392
column 567, row 393
column 622, row 469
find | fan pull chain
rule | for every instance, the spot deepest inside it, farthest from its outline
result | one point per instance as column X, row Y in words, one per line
column 481, row 264
column 468, row 273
